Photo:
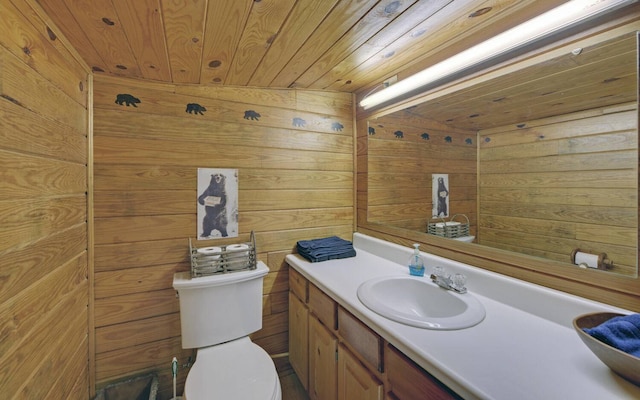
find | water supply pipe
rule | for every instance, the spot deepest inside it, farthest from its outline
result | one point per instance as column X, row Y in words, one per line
column 174, row 372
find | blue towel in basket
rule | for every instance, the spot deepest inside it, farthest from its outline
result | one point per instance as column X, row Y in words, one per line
column 324, row 249
column 622, row 332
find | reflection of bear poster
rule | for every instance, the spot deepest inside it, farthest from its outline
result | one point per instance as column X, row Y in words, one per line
column 440, row 195
column 217, row 203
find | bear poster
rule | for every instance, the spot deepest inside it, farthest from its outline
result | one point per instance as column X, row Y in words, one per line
column 440, row 195
column 217, row 203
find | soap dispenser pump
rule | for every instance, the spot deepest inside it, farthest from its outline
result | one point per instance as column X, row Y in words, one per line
column 416, row 264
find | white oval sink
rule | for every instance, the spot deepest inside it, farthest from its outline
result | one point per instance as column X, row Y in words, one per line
column 421, row 303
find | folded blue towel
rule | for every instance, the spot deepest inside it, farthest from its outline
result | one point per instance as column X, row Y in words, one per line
column 325, row 253
column 324, row 249
column 346, row 254
column 622, row 332
column 329, row 242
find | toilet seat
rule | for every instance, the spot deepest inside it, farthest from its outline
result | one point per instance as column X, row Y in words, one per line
column 239, row 369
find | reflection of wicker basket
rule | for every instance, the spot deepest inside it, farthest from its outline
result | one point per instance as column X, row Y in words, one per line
column 449, row 229
column 226, row 260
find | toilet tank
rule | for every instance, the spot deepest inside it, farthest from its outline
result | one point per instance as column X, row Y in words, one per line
column 218, row 308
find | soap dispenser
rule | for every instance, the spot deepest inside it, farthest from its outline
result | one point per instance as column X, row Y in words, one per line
column 416, row 264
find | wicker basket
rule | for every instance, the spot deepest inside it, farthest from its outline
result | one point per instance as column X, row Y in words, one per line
column 449, row 229
column 223, row 261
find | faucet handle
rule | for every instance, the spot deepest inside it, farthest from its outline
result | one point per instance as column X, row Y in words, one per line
column 458, row 281
column 450, row 282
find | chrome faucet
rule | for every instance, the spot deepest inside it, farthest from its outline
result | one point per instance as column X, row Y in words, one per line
column 455, row 282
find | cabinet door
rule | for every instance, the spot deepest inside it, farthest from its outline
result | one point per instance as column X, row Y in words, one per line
column 354, row 381
column 323, row 376
column 299, row 339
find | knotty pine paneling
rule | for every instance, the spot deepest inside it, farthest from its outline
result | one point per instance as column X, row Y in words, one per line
column 28, row 34
column 44, row 262
column 136, row 306
column 294, row 154
column 68, row 336
column 301, row 23
column 221, row 39
column 118, row 336
column 269, row 17
column 41, row 136
column 146, row 34
column 184, row 46
column 404, row 153
column 562, row 183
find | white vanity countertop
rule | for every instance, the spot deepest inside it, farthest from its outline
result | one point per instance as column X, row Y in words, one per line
column 525, row 348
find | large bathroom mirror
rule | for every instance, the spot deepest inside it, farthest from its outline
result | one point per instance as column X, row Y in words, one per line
column 541, row 161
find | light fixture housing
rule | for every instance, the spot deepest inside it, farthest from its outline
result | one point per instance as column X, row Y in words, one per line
column 544, row 26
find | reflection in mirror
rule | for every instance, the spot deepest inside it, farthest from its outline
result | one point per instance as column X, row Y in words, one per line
column 542, row 161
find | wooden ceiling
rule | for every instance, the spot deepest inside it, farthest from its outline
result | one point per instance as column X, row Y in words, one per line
column 343, row 45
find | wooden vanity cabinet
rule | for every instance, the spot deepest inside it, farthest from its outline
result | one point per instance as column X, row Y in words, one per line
column 408, row 381
column 336, row 356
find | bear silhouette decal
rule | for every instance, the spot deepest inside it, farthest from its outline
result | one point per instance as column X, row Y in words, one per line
column 299, row 122
column 252, row 115
column 127, row 99
column 195, row 108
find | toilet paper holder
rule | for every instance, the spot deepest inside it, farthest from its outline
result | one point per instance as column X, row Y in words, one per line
column 223, row 259
column 603, row 263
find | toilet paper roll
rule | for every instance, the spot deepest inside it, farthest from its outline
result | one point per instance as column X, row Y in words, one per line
column 213, row 252
column 586, row 259
column 448, row 223
column 236, row 249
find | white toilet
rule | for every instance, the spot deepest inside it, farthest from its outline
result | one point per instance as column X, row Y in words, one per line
column 217, row 315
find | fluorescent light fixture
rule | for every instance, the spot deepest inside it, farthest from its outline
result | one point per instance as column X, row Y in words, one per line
column 543, row 26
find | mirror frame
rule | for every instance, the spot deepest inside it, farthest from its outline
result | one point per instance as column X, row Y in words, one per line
column 622, row 291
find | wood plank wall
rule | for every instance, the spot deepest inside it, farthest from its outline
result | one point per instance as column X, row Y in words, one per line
column 404, row 151
column 44, row 263
column 294, row 155
column 562, row 183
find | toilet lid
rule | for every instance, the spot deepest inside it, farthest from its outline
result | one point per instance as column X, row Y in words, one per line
column 239, row 369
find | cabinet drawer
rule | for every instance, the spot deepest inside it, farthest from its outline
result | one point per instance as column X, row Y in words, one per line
column 361, row 339
column 407, row 380
column 298, row 284
column 323, row 307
